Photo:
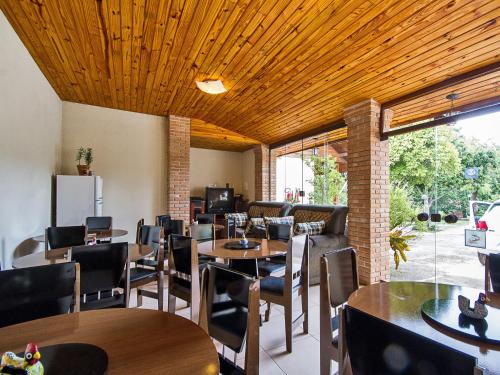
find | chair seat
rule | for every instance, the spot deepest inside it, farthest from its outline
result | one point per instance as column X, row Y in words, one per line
column 147, row 263
column 276, row 285
column 268, row 267
column 205, row 259
column 139, row 273
column 117, row 300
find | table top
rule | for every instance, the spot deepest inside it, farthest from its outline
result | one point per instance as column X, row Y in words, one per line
column 400, row 303
column 100, row 234
column 136, row 252
column 268, row 248
column 137, row 341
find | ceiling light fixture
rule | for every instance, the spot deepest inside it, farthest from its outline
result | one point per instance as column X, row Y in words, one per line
column 211, row 87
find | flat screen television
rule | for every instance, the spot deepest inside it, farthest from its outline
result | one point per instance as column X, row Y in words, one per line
column 219, row 200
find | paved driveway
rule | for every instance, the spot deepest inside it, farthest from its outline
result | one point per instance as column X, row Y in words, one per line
column 456, row 263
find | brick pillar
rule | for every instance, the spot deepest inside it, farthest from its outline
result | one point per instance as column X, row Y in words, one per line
column 368, row 191
column 178, row 144
column 265, row 182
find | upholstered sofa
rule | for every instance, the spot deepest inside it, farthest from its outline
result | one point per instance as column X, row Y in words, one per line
column 333, row 237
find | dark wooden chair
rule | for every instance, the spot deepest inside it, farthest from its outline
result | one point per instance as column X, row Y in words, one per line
column 276, row 265
column 205, row 218
column 99, row 222
column 376, row 347
column 338, row 279
column 203, row 233
column 101, row 271
column 284, row 291
column 140, row 223
column 141, row 275
column 183, row 274
column 38, row 292
column 492, row 273
column 229, row 313
column 57, row 237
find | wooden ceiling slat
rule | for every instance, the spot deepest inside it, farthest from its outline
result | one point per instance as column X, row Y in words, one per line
column 361, row 76
column 290, row 66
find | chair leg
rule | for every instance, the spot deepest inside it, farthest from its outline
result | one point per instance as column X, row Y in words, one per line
column 139, row 297
column 171, row 303
column 305, row 312
column 160, row 291
column 325, row 363
column 288, row 328
column 268, row 312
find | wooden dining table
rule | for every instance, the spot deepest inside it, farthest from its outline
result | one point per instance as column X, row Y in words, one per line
column 400, row 303
column 59, row 255
column 267, row 249
column 100, row 234
column 137, row 341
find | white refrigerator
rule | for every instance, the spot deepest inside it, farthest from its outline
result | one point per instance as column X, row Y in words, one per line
column 77, row 197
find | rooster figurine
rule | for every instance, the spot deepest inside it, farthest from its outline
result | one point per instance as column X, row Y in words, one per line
column 29, row 365
column 478, row 312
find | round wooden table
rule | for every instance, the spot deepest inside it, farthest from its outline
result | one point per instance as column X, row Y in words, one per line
column 268, row 248
column 137, row 341
column 136, row 252
column 100, row 234
column 400, row 303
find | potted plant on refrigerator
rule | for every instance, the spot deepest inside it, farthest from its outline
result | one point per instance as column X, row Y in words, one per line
column 87, row 155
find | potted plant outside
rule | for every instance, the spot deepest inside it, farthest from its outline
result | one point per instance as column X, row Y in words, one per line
column 87, row 155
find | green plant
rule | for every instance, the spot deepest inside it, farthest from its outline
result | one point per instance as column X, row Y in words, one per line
column 79, row 155
column 399, row 245
column 401, row 211
column 327, row 181
column 89, row 157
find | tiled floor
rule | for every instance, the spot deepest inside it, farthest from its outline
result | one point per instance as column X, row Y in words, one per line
column 274, row 359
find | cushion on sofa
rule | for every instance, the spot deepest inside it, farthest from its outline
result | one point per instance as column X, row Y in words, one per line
column 278, row 220
column 240, row 219
column 308, row 216
column 312, row 228
column 261, row 211
column 253, row 223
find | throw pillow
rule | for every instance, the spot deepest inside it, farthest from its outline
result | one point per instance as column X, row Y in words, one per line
column 279, row 220
column 240, row 219
column 312, row 228
column 253, row 223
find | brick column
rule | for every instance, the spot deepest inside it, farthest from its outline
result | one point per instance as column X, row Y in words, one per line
column 265, row 182
column 368, row 191
column 178, row 144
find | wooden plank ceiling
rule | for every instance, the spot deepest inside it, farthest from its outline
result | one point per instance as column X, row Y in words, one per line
column 289, row 66
column 206, row 135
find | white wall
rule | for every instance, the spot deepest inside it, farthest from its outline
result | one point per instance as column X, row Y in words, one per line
column 30, row 139
column 129, row 154
column 249, row 175
column 213, row 167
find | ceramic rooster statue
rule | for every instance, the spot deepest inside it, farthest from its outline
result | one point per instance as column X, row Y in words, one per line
column 29, row 365
column 478, row 312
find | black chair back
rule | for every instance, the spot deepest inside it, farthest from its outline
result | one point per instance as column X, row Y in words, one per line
column 164, row 221
column 227, row 306
column 99, row 223
column 379, row 347
column 343, row 270
column 494, row 269
column 180, row 247
column 101, row 266
column 150, row 235
column 65, row 236
column 280, row 232
column 36, row 292
column 177, row 227
column 205, row 218
column 202, row 232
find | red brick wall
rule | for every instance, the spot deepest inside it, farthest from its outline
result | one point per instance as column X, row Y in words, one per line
column 265, row 182
column 178, row 143
column 368, row 191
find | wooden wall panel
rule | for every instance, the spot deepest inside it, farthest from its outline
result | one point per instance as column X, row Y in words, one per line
column 290, row 65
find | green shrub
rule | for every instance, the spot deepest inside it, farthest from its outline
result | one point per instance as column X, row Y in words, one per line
column 401, row 210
